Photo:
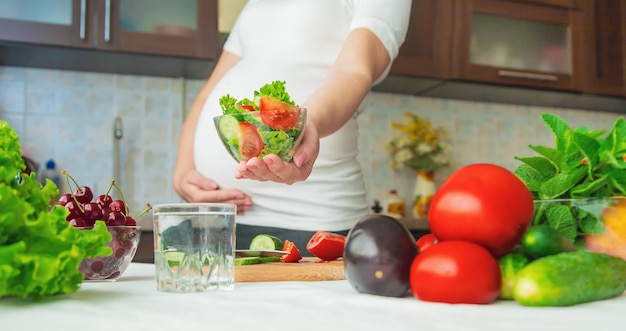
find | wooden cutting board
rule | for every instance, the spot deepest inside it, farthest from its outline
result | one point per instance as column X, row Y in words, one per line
column 308, row 269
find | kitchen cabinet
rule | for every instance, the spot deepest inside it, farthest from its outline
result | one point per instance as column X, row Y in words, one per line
column 140, row 37
column 523, row 43
column 531, row 43
column 605, row 35
column 185, row 28
column 426, row 50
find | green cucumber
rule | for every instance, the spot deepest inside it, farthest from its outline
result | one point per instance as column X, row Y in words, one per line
column 266, row 259
column 511, row 264
column 228, row 127
column 570, row 278
column 543, row 240
column 247, row 260
column 265, row 242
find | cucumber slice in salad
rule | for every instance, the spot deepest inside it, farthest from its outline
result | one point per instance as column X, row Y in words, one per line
column 227, row 125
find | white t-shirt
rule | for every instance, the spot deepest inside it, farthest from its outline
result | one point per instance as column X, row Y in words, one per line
column 297, row 41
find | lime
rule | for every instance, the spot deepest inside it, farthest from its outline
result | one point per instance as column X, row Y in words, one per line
column 174, row 258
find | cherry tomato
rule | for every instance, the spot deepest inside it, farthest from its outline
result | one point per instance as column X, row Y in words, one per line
column 482, row 203
column 277, row 114
column 426, row 241
column 455, row 271
column 250, row 142
column 327, row 246
column 294, row 252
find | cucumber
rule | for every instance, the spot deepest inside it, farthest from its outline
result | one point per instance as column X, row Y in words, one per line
column 510, row 265
column 265, row 242
column 247, row 260
column 543, row 240
column 227, row 125
column 570, row 278
column 266, row 259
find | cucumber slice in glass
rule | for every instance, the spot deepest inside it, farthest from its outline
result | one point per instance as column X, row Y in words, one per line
column 228, row 126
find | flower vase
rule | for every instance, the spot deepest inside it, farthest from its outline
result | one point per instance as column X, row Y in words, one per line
column 423, row 192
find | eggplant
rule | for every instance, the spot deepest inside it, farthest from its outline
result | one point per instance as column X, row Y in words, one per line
column 378, row 255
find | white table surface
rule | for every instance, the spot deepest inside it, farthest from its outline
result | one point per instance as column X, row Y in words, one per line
column 132, row 303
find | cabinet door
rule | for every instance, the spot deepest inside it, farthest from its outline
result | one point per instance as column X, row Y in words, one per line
column 605, row 33
column 519, row 43
column 51, row 22
column 426, row 49
column 185, row 28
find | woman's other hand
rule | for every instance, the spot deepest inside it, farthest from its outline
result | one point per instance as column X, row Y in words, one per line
column 194, row 187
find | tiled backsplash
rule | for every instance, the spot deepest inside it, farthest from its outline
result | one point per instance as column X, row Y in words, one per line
column 68, row 116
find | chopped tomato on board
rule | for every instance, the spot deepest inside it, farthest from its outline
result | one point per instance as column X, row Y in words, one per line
column 294, row 252
column 250, row 142
column 277, row 114
column 327, row 246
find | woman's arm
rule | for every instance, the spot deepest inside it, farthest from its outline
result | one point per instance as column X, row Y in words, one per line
column 363, row 58
column 184, row 160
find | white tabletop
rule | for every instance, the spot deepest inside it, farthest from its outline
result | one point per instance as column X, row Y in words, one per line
column 132, row 303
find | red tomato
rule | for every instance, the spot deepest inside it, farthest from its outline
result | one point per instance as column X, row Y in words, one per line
column 294, row 252
column 426, row 241
column 250, row 142
column 327, row 246
column 455, row 272
column 277, row 114
column 482, row 203
column 247, row 108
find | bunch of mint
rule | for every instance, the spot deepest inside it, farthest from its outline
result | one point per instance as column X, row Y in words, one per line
column 586, row 167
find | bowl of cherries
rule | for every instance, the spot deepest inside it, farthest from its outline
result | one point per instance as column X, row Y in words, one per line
column 85, row 209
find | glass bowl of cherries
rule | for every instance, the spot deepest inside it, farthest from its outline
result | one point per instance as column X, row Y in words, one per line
column 85, row 209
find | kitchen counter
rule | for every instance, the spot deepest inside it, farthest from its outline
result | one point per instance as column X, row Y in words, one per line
column 132, row 303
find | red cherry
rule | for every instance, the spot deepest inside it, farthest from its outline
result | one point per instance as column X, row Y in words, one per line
column 83, row 194
column 104, row 200
column 118, row 205
column 64, row 199
column 130, row 221
column 80, row 222
column 92, row 211
column 115, row 218
column 74, row 209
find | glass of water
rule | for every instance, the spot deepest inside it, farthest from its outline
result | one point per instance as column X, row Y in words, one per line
column 194, row 247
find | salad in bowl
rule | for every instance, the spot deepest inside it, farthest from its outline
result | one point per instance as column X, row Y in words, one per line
column 269, row 123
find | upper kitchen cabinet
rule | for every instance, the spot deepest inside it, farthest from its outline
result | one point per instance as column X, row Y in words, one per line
column 184, row 28
column 524, row 43
column 605, row 33
column 53, row 22
column 426, row 50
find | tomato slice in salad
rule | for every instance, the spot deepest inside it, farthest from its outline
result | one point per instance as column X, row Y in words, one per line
column 250, row 142
column 277, row 114
column 327, row 246
column 246, row 108
column 294, row 252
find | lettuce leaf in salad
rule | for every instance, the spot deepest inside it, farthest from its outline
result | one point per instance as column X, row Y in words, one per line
column 275, row 89
column 276, row 142
column 39, row 250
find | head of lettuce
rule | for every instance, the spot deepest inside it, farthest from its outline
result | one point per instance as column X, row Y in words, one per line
column 39, row 250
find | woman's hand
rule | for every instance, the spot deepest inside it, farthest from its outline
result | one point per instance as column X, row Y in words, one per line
column 194, row 187
column 273, row 168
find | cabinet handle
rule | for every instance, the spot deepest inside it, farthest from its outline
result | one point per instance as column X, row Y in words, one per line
column 107, row 21
column 526, row 75
column 83, row 14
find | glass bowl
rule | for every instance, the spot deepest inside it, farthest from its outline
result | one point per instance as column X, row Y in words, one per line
column 124, row 242
column 594, row 224
column 258, row 133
